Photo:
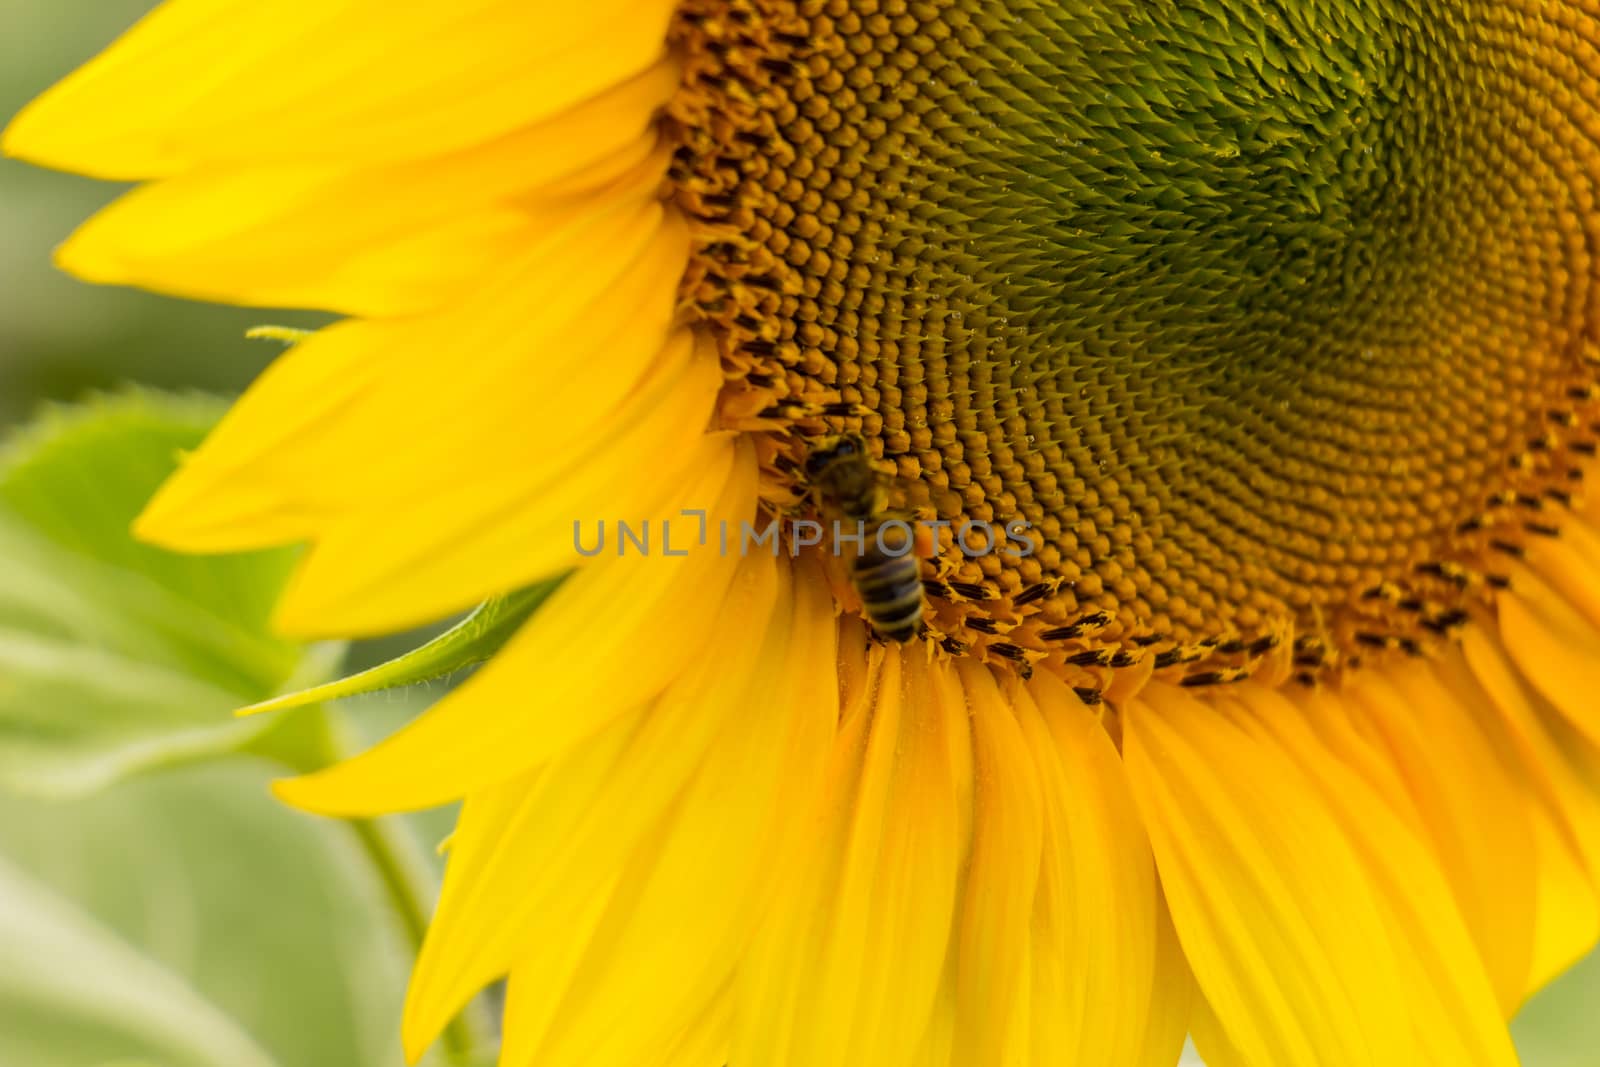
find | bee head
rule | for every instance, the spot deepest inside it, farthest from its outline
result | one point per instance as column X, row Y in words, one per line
column 832, row 451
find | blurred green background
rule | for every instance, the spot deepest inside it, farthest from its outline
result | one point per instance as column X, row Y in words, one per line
column 275, row 921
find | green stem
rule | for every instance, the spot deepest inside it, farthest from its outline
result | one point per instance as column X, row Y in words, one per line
column 310, row 738
column 408, row 885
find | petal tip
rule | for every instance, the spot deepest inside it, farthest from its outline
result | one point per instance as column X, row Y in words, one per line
column 416, row 1036
column 371, row 783
column 313, row 793
column 290, row 792
column 80, row 258
column 165, row 520
column 40, row 135
column 151, row 526
column 78, row 127
column 203, row 508
column 13, row 139
column 26, row 138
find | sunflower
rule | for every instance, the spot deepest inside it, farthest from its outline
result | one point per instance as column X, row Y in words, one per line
column 1273, row 330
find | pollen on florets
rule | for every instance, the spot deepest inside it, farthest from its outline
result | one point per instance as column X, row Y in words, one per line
column 1280, row 347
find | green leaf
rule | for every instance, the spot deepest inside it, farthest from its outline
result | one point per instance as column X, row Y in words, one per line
column 277, row 919
column 75, row 994
column 1559, row 1027
column 116, row 656
column 472, row 641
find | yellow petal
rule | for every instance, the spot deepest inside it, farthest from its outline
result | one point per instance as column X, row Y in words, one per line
column 1563, row 795
column 320, row 435
column 1105, row 989
column 713, row 874
column 1469, row 806
column 1287, row 917
column 1172, row 999
column 253, row 262
column 375, row 573
column 1556, row 648
column 703, row 1043
column 1567, row 915
column 231, row 81
column 1570, row 563
column 659, row 610
column 994, row 933
column 1449, row 998
column 1554, row 758
column 533, row 856
column 848, row 965
column 401, row 239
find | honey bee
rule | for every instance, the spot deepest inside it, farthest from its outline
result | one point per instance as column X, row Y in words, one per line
column 885, row 571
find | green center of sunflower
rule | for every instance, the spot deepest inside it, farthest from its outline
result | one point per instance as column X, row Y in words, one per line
column 1270, row 320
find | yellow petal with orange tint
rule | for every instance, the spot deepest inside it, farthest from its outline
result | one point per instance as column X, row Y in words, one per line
column 1561, row 773
column 1173, row 999
column 994, row 944
column 1285, row 926
column 704, row 1043
column 1449, row 997
column 1567, row 911
column 848, row 964
column 1099, row 983
column 1549, row 750
column 1553, row 644
column 1467, row 804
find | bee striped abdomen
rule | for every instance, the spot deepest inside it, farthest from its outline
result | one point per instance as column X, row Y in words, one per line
column 889, row 583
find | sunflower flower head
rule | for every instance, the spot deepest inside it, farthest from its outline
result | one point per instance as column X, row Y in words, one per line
column 1239, row 360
